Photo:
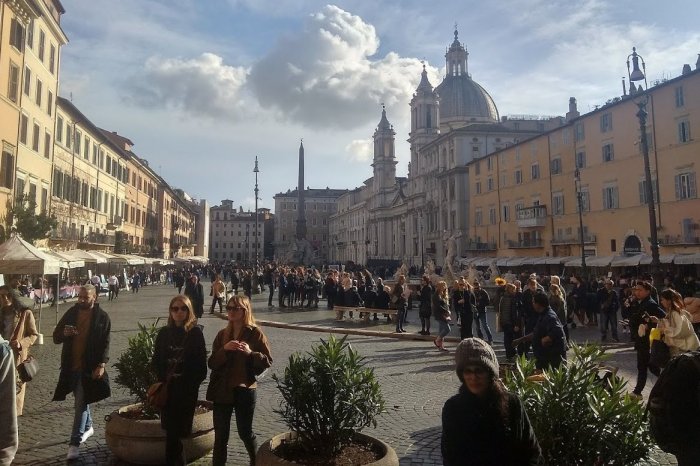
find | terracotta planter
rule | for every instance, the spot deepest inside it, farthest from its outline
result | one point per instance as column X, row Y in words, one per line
column 143, row 441
column 266, row 454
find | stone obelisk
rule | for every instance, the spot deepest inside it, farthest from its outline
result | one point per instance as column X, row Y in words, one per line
column 301, row 210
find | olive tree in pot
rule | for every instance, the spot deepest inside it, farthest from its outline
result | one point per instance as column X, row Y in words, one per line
column 328, row 396
column 581, row 412
column 133, row 432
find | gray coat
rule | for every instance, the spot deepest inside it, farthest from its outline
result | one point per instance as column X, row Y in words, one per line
column 8, row 409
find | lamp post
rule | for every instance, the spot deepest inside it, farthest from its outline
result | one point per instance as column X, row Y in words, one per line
column 256, row 244
column 637, row 74
column 579, row 198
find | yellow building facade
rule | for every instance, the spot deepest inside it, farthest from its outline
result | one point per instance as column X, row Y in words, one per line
column 525, row 198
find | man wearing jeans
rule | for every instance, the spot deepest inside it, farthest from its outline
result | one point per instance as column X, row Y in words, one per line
column 84, row 331
column 609, row 304
column 482, row 300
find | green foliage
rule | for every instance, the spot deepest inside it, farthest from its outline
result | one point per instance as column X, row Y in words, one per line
column 328, row 395
column 580, row 419
column 30, row 225
column 134, row 369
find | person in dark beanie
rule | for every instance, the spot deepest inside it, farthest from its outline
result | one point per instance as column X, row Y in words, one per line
column 483, row 424
column 547, row 337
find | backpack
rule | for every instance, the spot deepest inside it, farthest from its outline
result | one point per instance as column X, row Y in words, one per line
column 674, row 404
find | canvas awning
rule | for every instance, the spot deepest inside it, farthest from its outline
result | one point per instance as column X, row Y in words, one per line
column 599, row 261
column 20, row 257
column 66, row 261
column 663, row 258
column 626, row 261
column 129, row 259
column 502, row 261
column 199, row 259
column 687, row 259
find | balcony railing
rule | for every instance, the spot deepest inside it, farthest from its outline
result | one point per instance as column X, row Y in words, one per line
column 574, row 239
column 525, row 244
column 475, row 246
column 68, row 234
column 529, row 217
column 678, row 240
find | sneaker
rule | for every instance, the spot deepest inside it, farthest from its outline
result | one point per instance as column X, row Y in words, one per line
column 73, row 453
column 87, row 434
column 404, row 331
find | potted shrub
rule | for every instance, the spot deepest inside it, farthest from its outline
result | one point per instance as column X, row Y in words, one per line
column 328, row 396
column 581, row 412
column 133, row 432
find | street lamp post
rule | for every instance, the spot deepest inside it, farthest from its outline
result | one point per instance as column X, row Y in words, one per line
column 256, row 244
column 579, row 197
column 637, row 74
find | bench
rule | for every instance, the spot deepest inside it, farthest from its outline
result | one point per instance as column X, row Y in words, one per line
column 363, row 312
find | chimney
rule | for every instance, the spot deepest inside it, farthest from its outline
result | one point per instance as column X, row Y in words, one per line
column 686, row 69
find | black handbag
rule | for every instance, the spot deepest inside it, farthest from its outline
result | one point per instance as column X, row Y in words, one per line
column 28, row 369
column 660, row 354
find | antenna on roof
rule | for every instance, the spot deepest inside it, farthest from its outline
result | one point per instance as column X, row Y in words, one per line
column 71, row 97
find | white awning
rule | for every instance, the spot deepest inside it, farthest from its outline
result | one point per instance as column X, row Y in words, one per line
column 66, row 261
column 130, row 259
column 687, row 259
column 85, row 256
column 626, row 261
column 663, row 258
column 598, row 261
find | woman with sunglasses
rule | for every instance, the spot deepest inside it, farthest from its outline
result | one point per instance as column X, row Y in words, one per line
column 240, row 352
column 180, row 357
column 484, row 424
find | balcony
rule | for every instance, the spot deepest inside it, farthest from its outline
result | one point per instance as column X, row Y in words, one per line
column 67, row 234
column 679, row 240
column 587, row 239
column 476, row 246
column 531, row 217
column 115, row 223
column 525, row 244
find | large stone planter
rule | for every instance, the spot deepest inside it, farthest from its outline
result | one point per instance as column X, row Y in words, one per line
column 143, row 441
column 266, row 454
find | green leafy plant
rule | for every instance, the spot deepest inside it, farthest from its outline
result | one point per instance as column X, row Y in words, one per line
column 22, row 215
column 580, row 416
column 134, row 369
column 328, row 395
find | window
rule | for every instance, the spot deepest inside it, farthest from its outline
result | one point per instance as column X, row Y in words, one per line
column 610, row 197
column 535, row 171
column 86, row 148
column 30, row 34
column 57, row 182
column 506, row 213
column 489, row 184
column 52, row 59
column 489, row 163
column 13, row 85
column 42, row 44
column 49, row 102
column 7, row 167
column 492, row 215
column 555, row 166
column 680, row 101
column 643, row 191
column 580, row 159
column 78, row 139
column 608, row 153
column 59, row 129
column 17, row 35
column 606, row 122
column 69, row 136
column 19, row 190
column 558, row 203
column 579, row 132
column 478, row 187
column 478, row 220
column 39, row 91
column 685, row 186
column 23, row 128
column 584, row 200
column 518, row 176
column 35, row 137
column 27, row 80
column 47, row 145
column 477, row 168
column 683, row 131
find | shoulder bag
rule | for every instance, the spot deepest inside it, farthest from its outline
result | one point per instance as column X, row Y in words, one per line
column 28, row 368
column 157, row 393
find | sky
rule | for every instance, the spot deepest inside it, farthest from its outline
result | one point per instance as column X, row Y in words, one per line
column 202, row 87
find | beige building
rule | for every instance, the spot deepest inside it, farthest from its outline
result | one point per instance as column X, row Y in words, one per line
column 89, row 182
column 525, row 198
column 43, row 39
column 233, row 234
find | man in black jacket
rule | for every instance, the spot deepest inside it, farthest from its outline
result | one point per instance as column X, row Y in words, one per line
column 195, row 291
column 84, row 331
column 640, row 328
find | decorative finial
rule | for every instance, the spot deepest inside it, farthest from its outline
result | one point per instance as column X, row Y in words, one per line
column 456, row 32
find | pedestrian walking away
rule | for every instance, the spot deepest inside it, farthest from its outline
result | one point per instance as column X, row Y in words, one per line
column 84, row 330
column 180, row 360
column 240, row 352
column 441, row 312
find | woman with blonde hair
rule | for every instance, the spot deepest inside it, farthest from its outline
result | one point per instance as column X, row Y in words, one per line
column 557, row 301
column 239, row 354
column 676, row 327
column 441, row 312
column 180, row 359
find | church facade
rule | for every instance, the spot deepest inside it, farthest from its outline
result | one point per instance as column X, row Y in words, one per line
column 393, row 219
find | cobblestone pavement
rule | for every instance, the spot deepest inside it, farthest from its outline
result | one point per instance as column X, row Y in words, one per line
column 416, row 380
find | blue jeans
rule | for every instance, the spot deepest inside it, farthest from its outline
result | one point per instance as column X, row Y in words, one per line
column 444, row 329
column 82, row 420
column 481, row 322
column 608, row 319
column 401, row 316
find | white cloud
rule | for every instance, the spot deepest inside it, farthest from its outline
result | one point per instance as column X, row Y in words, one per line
column 360, row 150
column 202, row 86
column 327, row 76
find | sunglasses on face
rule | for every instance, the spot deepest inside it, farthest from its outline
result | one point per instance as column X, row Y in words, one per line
column 476, row 370
column 234, row 308
column 179, row 308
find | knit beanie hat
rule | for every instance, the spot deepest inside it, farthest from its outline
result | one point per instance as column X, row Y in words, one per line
column 475, row 351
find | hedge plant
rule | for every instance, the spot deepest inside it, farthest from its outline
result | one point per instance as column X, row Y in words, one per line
column 581, row 417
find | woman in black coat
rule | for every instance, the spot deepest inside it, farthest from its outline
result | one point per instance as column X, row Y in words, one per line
column 464, row 303
column 426, row 305
column 181, row 356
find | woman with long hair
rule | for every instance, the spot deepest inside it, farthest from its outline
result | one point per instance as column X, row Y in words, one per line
column 483, row 424
column 557, row 299
column 240, row 352
column 464, row 304
column 426, row 300
column 441, row 312
column 676, row 327
column 180, row 358
column 17, row 326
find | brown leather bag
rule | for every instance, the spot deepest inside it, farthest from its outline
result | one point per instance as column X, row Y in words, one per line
column 28, row 368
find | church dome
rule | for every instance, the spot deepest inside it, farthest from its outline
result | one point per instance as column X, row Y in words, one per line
column 461, row 98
